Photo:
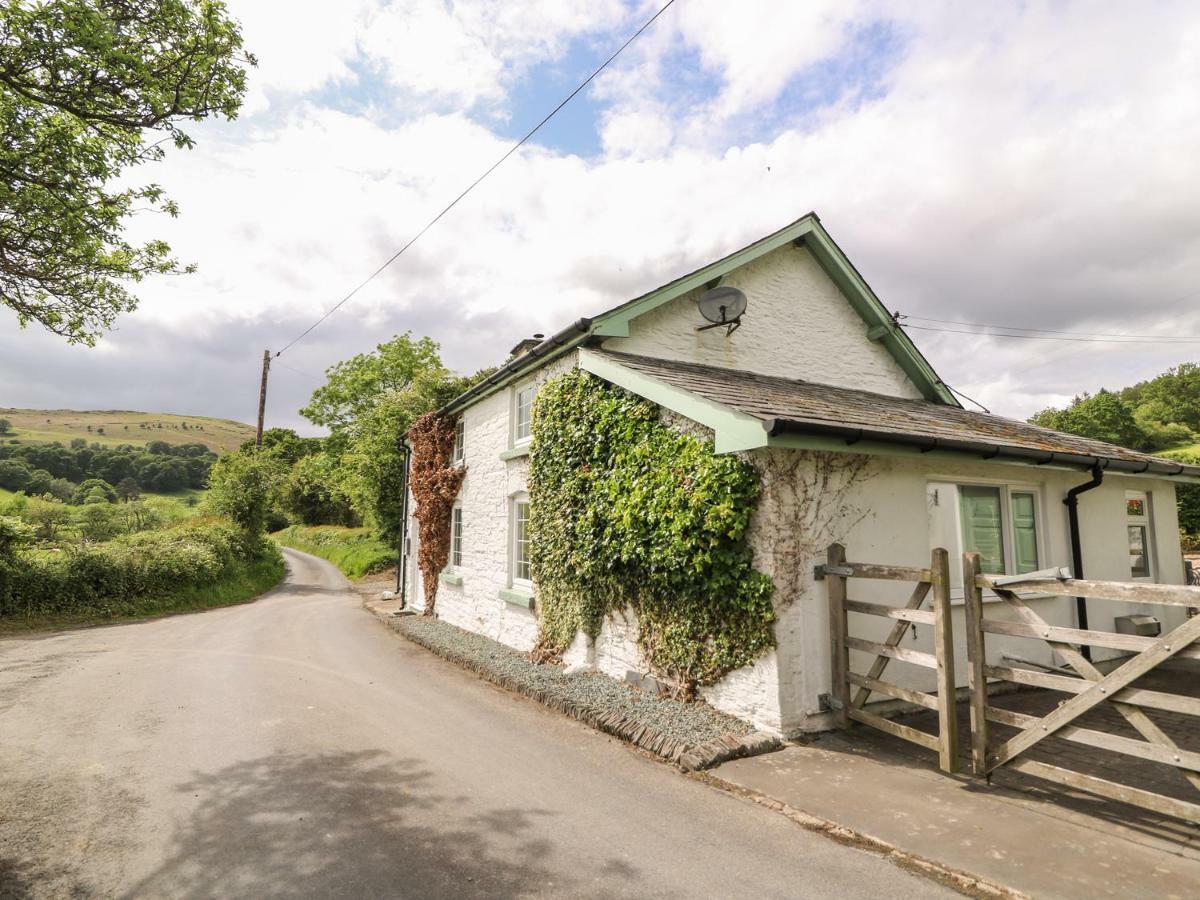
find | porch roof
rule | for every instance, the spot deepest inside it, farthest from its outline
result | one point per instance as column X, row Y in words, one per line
column 784, row 407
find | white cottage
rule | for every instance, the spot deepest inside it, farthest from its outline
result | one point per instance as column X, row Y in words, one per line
column 856, row 439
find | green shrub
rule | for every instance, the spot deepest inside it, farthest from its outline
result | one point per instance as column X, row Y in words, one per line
column 356, row 551
column 131, row 575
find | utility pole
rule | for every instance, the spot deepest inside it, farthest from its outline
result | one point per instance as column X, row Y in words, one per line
column 262, row 397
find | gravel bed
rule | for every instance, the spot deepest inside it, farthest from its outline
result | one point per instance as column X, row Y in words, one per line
column 693, row 734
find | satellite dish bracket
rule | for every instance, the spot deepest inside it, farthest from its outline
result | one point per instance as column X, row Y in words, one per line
column 723, row 307
column 730, row 326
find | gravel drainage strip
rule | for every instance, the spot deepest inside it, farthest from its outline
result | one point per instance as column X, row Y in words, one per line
column 691, row 735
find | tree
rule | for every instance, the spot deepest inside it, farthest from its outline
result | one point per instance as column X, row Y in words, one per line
column 100, row 522
column 88, row 90
column 5, row 426
column 316, row 492
column 14, row 534
column 353, row 386
column 128, row 490
column 243, row 487
column 1102, row 416
column 14, row 475
column 94, row 490
column 47, row 516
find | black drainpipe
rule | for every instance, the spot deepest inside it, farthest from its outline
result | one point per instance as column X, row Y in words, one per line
column 1072, row 502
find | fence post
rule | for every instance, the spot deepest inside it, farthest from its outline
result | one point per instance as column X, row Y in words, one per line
column 943, row 645
column 839, row 654
column 976, row 661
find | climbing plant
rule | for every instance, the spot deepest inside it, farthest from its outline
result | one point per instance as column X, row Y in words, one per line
column 434, row 484
column 627, row 512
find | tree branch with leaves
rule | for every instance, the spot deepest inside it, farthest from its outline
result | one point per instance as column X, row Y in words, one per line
column 90, row 89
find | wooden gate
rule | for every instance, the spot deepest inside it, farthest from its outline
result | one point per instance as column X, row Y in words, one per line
column 936, row 580
column 1089, row 687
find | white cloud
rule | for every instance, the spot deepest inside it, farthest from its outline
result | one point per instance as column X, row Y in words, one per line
column 1011, row 171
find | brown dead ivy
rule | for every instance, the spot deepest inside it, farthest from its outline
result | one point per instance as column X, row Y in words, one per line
column 434, row 483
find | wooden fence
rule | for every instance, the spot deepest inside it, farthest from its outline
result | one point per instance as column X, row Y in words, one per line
column 936, row 581
column 1089, row 686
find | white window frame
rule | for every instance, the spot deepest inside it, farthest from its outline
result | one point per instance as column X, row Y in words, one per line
column 518, row 439
column 1146, row 521
column 456, row 538
column 514, row 542
column 458, row 454
column 1007, row 489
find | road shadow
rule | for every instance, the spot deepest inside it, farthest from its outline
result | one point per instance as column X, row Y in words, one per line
column 355, row 824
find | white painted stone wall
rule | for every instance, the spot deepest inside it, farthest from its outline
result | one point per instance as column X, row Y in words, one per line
column 797, row 325
column 895, row 530
column 487, row 491
column 880, row 513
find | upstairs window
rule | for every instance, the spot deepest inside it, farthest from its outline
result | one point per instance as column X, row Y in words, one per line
column 523, row 415
column 460, row 440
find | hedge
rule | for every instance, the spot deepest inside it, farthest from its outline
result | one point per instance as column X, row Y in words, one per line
column 121, row 577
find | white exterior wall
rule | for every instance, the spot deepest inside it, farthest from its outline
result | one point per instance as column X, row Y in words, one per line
column 486, row 494
column 797, row 325
column 895, row 530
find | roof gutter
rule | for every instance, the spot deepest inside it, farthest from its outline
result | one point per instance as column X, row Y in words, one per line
column 515, row 366
column 925, row 444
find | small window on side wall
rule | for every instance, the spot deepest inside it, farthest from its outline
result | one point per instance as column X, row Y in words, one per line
column 1138, row 530
column 460, row 440
column 523, row 415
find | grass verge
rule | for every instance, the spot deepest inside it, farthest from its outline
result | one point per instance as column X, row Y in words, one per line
column 356, row 551
column 243, row 582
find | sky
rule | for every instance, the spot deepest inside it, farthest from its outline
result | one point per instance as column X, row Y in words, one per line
column 1030, row 164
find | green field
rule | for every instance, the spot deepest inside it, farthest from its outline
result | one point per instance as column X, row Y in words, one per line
column 112, row 427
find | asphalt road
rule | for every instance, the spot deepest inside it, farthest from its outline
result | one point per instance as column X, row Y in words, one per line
column 297, row 747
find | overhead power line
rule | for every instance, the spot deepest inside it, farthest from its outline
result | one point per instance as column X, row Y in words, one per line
column 1053, row 337
column 511, row 150
column 1090, row 334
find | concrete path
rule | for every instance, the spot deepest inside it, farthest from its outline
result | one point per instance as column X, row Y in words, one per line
column 295, row 747
column 1043, row 849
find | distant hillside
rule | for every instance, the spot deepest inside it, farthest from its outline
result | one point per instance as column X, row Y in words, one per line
column 112, row 427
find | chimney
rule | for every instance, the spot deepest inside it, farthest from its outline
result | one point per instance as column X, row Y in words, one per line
column 525, row 346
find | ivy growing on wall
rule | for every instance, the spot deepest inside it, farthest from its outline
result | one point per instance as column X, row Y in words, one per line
column 627, row 512
column 434, row 484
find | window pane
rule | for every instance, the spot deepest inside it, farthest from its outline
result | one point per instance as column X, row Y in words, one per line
column 983, row 528
column 1135, row 507
column 460, row 434
column 1139, row 562
column 456, row 536
column 1024, row 533
column 521, row 543
column 524, row 413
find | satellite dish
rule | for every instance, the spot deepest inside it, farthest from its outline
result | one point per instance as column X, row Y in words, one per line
column 723, row 305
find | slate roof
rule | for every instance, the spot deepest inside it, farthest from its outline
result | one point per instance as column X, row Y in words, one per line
column 787, row 405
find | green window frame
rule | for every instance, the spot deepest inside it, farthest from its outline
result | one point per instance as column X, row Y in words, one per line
column 1001, row 524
